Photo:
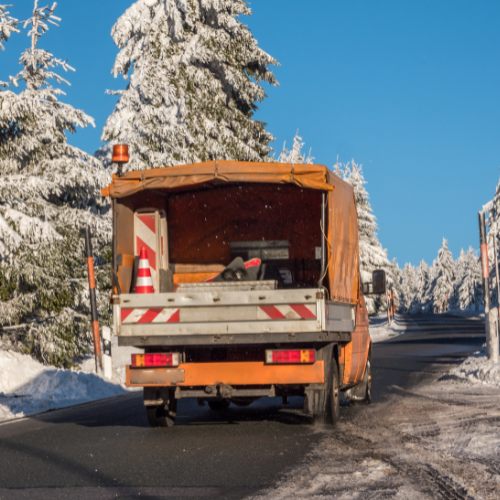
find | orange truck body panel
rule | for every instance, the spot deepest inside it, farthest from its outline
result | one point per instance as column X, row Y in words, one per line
column 354, row 354
column 229, row 373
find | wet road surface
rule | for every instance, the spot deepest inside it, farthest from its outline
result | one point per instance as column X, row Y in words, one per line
column 106, row 449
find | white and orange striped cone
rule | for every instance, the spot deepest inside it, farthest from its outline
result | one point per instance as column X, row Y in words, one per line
column 144, row 282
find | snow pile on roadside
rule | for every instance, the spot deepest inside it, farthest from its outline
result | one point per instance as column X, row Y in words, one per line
column 478, row 369
column 28, row 387
column 380, row 329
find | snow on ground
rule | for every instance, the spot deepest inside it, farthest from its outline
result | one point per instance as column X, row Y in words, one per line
column 381, row 330
column 440, row 439
column 28, row 387
column 435, row 441
column 478, row 369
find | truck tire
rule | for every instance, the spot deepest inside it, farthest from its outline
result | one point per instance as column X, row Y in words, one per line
column 323, row 404
column 362, row 393
column 367, row 398
column 218, row 404
column 334, row 400
column 162, row 414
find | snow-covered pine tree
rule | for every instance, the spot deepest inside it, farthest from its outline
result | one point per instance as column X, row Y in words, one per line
column 372, row 254
column 422, row 301
column 443, row 278
column 8, row 25
column 195, row 81
column 468, row 282
column 49, row 190
column 296, row 153
column 407, row 288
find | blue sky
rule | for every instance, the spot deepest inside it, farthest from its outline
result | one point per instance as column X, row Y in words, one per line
column 408, row 88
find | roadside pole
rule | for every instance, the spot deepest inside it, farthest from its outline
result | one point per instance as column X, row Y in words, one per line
column 96, row 336
column 490, row 315
column 494, row 230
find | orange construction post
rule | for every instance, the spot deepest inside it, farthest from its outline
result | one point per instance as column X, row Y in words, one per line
column 96, row 336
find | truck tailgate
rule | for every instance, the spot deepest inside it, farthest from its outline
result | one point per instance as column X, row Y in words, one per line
column 218, row 312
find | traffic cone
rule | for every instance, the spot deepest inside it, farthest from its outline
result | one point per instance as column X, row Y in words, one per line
column 144, row 283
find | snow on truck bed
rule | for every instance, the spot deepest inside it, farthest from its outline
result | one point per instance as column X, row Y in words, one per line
column 28, row 387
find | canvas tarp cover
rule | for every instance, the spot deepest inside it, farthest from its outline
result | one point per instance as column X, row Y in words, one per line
column 342, row 241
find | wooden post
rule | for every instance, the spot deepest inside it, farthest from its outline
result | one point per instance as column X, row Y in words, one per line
column 96, row 336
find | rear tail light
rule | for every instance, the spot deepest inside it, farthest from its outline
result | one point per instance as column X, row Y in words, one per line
column 154, row 360
column 290, row 356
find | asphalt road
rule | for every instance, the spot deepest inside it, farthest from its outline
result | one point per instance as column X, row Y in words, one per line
column 106, row 449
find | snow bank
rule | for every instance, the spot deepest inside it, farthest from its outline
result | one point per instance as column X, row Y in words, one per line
column 380, row 329
column 478, row 369
column 28, row 387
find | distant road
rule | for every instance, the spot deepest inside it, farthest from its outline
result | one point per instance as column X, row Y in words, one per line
column 106, row 449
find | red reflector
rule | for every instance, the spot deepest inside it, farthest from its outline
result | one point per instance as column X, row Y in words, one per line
column 152, row 360
column 291, row 356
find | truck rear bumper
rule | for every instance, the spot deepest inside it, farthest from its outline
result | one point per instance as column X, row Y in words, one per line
column 228, row 373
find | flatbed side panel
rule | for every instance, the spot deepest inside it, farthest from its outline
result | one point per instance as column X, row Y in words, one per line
column 338, row 317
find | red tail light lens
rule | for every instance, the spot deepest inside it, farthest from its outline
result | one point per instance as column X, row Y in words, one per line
column 291, row 356
column 155, row 360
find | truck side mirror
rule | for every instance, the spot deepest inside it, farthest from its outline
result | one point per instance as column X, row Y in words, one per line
column 379, row 282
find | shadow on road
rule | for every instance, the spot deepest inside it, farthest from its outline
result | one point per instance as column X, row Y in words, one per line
column 128, row 411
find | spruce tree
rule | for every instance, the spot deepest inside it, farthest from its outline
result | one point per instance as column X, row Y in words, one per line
column 49, row 190
column 195, row 81
column 407, row 288
column 422, row 301
column 372, row 254
column 8, row 26
column 295, row 154
column 469, row 287
column 443, row 278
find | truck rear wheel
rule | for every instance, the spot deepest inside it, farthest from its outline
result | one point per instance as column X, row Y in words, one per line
column 323, row 404
column 363, row 391
column 161, row 414
column 368, row 383
column 334, row 403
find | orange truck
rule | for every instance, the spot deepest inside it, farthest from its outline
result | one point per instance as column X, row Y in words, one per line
column 295, row 325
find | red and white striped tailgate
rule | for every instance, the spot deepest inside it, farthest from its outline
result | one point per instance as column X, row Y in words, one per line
column 142, row 315
column 151, row 315
column 289, row 311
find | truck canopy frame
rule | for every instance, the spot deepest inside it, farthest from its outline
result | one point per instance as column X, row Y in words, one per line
column 145, row 187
